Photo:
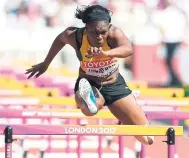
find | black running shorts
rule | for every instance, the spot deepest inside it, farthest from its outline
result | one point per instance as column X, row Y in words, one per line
column 110, row 92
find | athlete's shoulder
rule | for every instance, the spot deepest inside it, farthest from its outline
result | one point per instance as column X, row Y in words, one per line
column 68, row 35
column 115, row 36
column 70, row 30
column 115, row 31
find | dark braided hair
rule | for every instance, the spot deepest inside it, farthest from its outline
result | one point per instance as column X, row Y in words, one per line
column 91, row 13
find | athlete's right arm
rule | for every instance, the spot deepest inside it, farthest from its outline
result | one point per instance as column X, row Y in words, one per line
column 66, row 37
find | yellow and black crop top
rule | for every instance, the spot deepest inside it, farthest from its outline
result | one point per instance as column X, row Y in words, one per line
column 95, row 66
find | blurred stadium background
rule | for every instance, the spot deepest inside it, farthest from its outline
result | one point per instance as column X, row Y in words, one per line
column 28, row 27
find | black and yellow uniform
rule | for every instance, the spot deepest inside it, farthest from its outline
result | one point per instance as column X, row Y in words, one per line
column 101, row 67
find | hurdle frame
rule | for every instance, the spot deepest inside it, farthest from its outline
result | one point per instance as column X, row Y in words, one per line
column 8, row 133
column 73, row 112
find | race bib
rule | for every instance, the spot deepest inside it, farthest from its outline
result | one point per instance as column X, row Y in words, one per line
column 100, row 68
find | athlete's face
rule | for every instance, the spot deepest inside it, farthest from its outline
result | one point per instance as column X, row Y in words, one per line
column 97, row 32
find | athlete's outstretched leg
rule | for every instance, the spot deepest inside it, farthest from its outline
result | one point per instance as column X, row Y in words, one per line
column 130, row 113
column 88, row 98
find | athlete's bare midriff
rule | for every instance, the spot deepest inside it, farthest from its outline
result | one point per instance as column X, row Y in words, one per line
column 99, row 80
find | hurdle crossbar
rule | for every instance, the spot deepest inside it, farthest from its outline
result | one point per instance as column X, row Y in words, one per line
column 69, row 101
column 114, row 130
column 77, row 114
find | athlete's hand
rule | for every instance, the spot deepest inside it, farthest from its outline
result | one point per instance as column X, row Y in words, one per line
column 37, row 70
column 94, row 51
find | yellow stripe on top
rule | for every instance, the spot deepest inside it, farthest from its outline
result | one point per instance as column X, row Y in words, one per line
column 97, row 66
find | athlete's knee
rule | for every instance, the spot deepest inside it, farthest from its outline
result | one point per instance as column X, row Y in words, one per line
column 99, row 98
column 84, row 109
column 86, row 112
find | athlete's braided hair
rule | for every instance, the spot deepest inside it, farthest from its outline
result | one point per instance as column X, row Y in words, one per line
column 92, row 13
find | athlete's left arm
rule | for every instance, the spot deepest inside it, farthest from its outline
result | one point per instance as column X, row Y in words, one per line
column 121, row 46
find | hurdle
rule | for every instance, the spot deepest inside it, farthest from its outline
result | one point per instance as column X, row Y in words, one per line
column 102, row 114
column 115, row 130
column 77, row 114
column 163, row 92
column 69, row 101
